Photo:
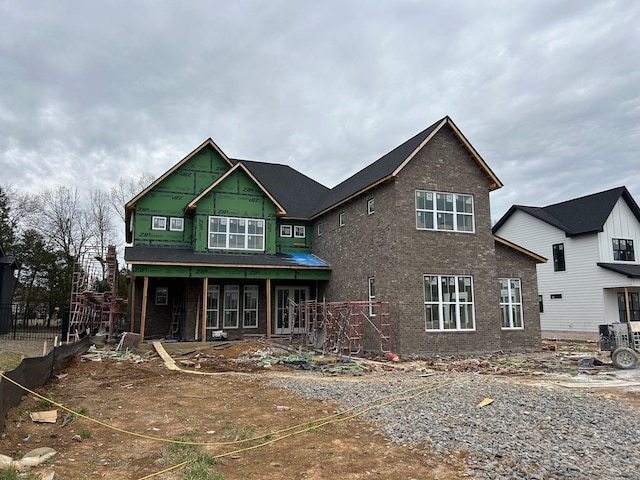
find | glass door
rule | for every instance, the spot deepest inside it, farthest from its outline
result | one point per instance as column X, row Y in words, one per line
column 287, row 301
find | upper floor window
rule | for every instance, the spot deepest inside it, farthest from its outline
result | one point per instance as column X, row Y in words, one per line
column 371, row 206
column 176, row 224
column 341, row 219
column 236, row 233
column 299, row 231
column 158, row 223
column 285, row 230
column 558, row 257
column 448, row 302
column 623, row 250
column 162, row 296
column 444, row 211
column 511, row 303
column 319, row 229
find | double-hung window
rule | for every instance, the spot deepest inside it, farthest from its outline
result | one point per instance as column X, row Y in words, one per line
column 448, row 303
column 558, row 257
column 511, row 303
column 231, row 233
column 231, row 306
column 623, row 250
column 213, row 307
column 250, row 307
column 444, row 211
column 371, row 294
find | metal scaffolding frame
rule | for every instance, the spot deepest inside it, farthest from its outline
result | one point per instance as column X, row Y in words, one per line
column 343, row 328
column 94, row 302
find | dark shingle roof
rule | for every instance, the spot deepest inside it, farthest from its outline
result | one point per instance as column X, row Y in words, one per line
column 578, row 216
column 631, row 271
column 297, row 193
column 186, row 256
column 375, row 172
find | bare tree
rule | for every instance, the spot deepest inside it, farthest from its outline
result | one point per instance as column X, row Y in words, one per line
column 128, row 189
column 101, row 218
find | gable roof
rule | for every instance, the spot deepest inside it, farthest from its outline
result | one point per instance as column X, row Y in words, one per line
column 297, row 193
column 238, row 166
column 578, row 216
column 390, row 165
column 529, row 253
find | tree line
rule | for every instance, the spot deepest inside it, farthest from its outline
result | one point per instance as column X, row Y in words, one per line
column 49, row 232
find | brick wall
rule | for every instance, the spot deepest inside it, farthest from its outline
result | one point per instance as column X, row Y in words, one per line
column 387, row 245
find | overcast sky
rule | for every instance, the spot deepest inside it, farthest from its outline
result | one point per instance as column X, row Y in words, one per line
column 547, row 91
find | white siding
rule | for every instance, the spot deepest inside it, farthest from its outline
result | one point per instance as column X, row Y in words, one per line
column 583, row 284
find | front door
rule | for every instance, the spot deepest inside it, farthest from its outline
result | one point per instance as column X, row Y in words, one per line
column 287, row 300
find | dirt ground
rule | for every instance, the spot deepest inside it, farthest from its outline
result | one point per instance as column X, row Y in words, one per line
column 130, row 409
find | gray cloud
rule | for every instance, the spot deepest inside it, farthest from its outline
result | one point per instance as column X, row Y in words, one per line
column 546, row 91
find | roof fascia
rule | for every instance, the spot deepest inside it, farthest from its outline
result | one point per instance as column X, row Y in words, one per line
column 238, row 166
column 529, row 253
column 631, row 203
column 228, row 265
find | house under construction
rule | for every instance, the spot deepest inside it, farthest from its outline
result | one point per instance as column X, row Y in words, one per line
column 95, row 306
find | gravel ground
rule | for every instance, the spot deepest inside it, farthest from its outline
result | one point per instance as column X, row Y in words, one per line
column 528, row 432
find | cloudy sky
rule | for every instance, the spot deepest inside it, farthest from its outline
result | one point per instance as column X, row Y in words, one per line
column 547, row 91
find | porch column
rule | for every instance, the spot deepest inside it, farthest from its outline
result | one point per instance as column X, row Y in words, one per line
column 626, row 302
column 205, row 287
column 143, row 314
column 132, row 302
column 268, row 307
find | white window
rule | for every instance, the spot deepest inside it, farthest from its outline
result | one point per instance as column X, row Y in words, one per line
column 371, row 287
column 448, row 303
column 299, row 231
column 162, row 296
column 176, row 224
column 250, row 307
column 444, row 211
column 285, row 230
column 236, row 233
column 213, row 307
column 342, row 219
column 511, row 303
column 158, row 223
column 231, row 306
column 370, row 206
column 319, row 229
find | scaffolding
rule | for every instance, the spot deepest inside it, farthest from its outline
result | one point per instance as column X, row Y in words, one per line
column 94, row 303
column 344, row 328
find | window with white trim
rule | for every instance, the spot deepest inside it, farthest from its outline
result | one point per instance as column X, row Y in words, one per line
column 299, row 231
column 448, row 303
column 341, row 219
column 285, row 230
column 511, row 303
column 158, row 223
column 250, row 307
column 444, row 211
column 371, row 294
column 371, row 207
column 213, row 307
column 231, row 306
column 230, row 233
column 319, row 229
column 176, row 224
column 162, row 296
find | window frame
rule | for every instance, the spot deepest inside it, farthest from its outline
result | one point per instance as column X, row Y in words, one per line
column 174, row 220
column 296, row 230
column 319, row 230
column 162, row 292
column 371, row 207
column 229, row 311
column 283, row 229
column 458, row 304
column 559, row 258
column 211, row 325
column 371, row 294
column 341, row 219
column 627, row 251
column 511, row 305
column 254, row 291
column 156, row 220
column 230, row 235
column 439, row 215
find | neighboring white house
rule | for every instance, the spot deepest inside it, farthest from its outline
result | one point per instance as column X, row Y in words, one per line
column 594, row 277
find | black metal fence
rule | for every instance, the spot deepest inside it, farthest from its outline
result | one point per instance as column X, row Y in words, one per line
column 16, row 327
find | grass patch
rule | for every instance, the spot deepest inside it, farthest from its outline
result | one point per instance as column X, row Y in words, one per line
column 9, row 361
column 198, row 464
column 13, row 474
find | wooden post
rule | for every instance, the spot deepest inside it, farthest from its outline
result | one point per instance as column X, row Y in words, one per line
column 132, row 302
column 626, row 301
column 143, row 314
column 268, row 287
column 203, row 306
